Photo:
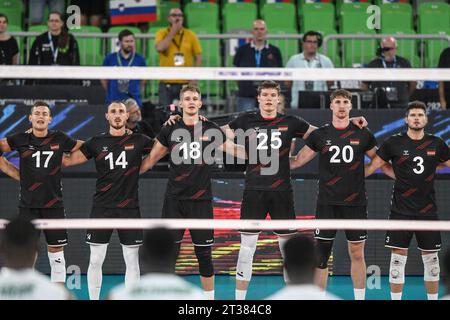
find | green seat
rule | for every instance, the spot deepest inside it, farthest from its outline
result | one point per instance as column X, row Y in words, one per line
column 164, row 8
column 433, row 48
column 288, row 47
column 15, row 17
column 407, row 48
column 340, row 4
column 90, row 48
column 202, row 15
column 433, row 16
column 398, row 16
column 113, row 43
column 332, row 48
column 314, row 16
column 279, row 16
column 353, row 17
column 358, row 52
column 239, row 15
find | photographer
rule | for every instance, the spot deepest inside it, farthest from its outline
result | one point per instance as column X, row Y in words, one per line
column 389, row 94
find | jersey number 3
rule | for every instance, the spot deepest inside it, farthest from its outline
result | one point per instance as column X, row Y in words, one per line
column 420, row 168
column 121, row 160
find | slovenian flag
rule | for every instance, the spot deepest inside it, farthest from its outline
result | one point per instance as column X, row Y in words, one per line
column 132, row 11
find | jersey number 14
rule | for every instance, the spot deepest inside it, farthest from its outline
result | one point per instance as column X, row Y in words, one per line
column 121, row 160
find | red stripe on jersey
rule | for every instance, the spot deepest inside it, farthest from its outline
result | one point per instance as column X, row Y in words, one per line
column 409, row 192
column 130, row 171
column 124, row 139
column 277, row 183
column 51, row 203
column 430, row 177
column 402, row 159
column 425, row 144
column 351, row 197
column 106, row 188
column 124, row 203
column 101, row 156
column 274, row 122
column 26, row 154
column 347, row 134
column 427, row 208
column 257, row 168
column 55, row 171
column 35, row 186
column 325, row 149
column 198, row 194
column 333, row 181
column 182, row 177
column 355, row 166
column 46, row 141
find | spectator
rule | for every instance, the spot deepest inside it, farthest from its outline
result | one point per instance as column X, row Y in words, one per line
column 18, row 279
column 125, row 57
column 177, row 47
column 37, row 9
column 300, row 264
column 92, row 12
column 159, row 281
column 55, row 47
column 390, row 94
column 9, row 50
column 444, row 87
column 309, row 58
column 135, row 122
column 446, row 275
column 255, row 54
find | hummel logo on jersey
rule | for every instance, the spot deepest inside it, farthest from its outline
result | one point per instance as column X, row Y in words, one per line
column 104, row 149
column 31, row 147
column 328, row 143
column 179, row 139
column 406, row 152
column 58, row 260
column 209, row 241
column 88, row 236
column 256, row 129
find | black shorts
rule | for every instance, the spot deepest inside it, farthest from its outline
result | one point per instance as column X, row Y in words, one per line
column 190, row 209
column 256, row 204
column 128, row 237
column 341, row 212
column 426, row 240
column 54, row 238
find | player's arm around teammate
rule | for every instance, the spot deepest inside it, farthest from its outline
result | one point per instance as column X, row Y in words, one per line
column 10, row 169
column 157, row 153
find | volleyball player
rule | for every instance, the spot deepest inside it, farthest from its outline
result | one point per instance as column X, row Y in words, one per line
column 341, row 147
column 414, row 156
column 118, row 155
column 41, row 151
column 188, row 193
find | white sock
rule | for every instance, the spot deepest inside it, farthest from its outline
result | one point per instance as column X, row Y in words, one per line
column 131, row 257
column 94, row 273
column 360, row 294
column 58, row 266
column 209, row 295
column 281, row 243
column 240, row 294
column 396, row 296
column 432, row 296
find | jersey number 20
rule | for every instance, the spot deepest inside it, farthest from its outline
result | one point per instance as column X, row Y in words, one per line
column 347, row 154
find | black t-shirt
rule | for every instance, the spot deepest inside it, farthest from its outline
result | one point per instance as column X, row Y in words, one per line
column 414, row 163
column 40, row 167
column 341, row 163
column 264, row 137
column 41, row 52
column 190, row 179
column 245, row 57
column 8, row 49
column 117, row 160
column 444, row 62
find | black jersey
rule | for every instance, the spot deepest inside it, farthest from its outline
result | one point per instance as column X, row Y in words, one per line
column 414, row 163
column 40, row 167
column 117, row 160
column 263, row 138
column 191, row 148
column 341, row 163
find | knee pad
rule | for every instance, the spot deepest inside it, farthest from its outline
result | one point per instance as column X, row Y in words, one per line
column 323, row 249
column 98, row 254
column 397, row 269
column 245, row 259
column 431, row 269
column 131, row 256
column 204, row 257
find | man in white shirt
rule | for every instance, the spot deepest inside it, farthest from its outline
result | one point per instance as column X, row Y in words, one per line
column 309, row 58
column 300, row 264
column 18, row 279
column 446, row 275
column 160, row 281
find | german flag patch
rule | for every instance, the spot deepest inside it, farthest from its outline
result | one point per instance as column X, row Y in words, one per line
column 129, row 147
column 54, row 147
column 431, row 152
column 204, row 138
column 354, row 142
column 283, row 128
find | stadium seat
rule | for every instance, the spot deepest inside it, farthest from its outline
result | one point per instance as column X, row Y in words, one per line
column 358, row 52
column 433, row 48
column 113, row 43
column 238, row 16
column 397, row 16
column 288, row 47
column 314, row 16
column 202, row 15
column 353, row 17
column 163, row 13
column 15, row 17
column 90, row 48
column 433, row 16
column 279, row 16
column 332, row 47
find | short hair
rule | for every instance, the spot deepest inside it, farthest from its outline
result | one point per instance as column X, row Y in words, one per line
column 268, row 85
column 116, row 102
column 2, row 15
column 190, row 87
column 40, row 103
column 130, row 102
column 341, row 93
column 416, row 104
column 159, row 250
column 300, row 258
column 20, row 239
column 125, row 33
column 311, row 33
